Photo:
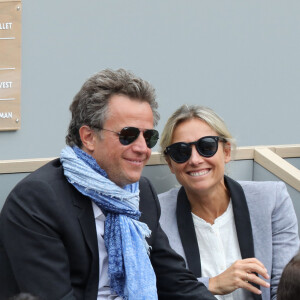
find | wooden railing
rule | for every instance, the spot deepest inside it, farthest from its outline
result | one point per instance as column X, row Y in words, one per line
column 271, row 158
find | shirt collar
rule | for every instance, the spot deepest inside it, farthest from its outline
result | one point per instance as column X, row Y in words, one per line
column 98, row 214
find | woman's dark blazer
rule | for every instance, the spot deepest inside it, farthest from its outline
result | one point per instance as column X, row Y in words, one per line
column 48, row 242
column 265, row 221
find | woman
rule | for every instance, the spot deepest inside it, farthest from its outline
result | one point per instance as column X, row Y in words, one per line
column 228, row 232
column 289, row 284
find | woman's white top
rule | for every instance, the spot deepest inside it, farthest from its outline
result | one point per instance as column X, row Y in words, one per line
column 219, row 248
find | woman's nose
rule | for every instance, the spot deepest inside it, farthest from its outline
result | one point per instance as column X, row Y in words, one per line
column 195, row 158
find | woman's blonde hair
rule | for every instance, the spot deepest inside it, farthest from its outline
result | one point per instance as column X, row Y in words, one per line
column 185, row 113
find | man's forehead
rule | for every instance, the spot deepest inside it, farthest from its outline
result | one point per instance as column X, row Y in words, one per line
column 126, row 112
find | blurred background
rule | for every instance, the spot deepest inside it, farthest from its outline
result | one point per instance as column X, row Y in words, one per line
column 240, row 58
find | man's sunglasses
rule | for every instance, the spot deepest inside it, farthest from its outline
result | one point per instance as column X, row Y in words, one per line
column 128, row 135
column 207, row 146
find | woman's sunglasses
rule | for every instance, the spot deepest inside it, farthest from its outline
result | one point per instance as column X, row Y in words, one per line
column 128, row 135
column 181, row 152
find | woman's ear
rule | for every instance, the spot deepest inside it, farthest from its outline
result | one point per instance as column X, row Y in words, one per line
column 227, row 152
column 87, row 136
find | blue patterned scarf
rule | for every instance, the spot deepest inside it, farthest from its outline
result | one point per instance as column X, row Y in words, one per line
column 129, row 267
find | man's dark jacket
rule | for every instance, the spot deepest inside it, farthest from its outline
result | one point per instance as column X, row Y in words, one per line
column 48, row 242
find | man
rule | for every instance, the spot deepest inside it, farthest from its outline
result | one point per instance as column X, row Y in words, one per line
column 77, row 227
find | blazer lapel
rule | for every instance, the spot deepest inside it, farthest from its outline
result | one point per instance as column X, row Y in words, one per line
column 87, row 222
column 187, row 233
column 242, row 221
column 241, row 217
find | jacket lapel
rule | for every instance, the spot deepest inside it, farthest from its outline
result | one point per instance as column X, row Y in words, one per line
column 242, row 221
column 187, row 233
column 87, row 222
column 241, row 218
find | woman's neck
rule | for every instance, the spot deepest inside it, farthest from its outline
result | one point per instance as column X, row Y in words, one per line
column 209, row 205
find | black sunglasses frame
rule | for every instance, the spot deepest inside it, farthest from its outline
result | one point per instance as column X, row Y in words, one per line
column 128, row 135
column 173, row 149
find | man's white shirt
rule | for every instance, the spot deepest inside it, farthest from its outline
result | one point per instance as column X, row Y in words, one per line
column 104, row 292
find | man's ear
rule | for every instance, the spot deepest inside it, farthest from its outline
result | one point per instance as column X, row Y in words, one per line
column 87, row 136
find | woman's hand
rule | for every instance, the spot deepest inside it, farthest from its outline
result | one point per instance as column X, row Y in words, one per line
column 239, row 275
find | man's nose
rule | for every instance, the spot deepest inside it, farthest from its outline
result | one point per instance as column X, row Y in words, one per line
column 140, row 144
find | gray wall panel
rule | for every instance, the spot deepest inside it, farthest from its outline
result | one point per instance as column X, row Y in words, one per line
column 294, row 161
column 239, row 57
